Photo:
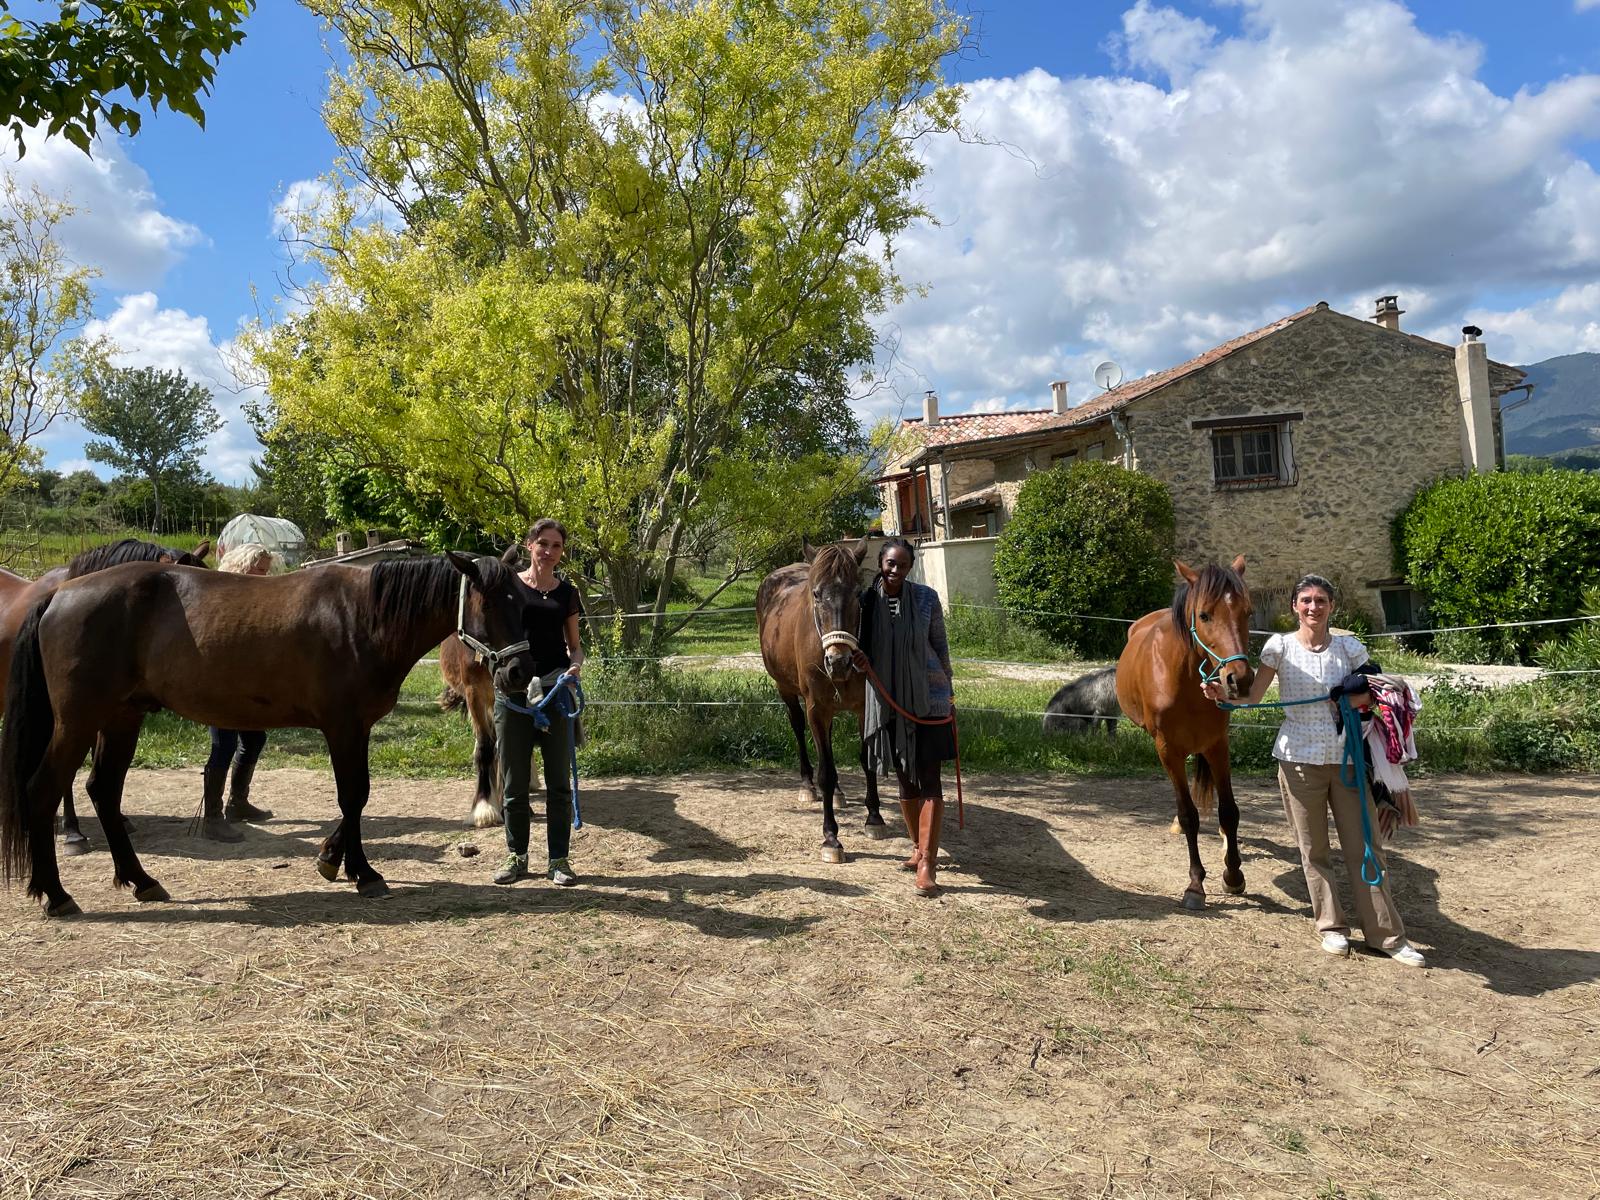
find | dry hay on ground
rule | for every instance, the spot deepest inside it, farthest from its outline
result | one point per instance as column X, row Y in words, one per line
column 713, row 1012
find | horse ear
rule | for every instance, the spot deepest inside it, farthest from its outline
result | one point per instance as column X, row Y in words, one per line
column 1238, row 565
column 203, row 549
column 861, row 550
column 807, row 550
column 164, row 557
column 513, row 555
column 466, row 565
column 1184, row 569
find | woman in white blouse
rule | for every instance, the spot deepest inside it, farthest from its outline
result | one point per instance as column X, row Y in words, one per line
column 1309, row 746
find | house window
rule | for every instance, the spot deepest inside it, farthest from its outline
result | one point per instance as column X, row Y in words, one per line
column 1095, row 452
column 1402, row 608
column 1064, row 460
column 1251, row 452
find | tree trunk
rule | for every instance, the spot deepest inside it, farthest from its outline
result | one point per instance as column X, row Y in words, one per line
column 155, row 486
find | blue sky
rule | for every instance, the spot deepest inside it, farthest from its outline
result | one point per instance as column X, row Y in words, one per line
column 1147, row 180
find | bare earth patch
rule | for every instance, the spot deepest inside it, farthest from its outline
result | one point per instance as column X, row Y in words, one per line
column 714, row 1012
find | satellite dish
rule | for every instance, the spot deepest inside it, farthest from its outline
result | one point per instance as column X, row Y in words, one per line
column 1108, row 375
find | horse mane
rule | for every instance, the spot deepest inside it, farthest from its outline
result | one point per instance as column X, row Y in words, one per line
column 400, row 588
column 98, row 558
column 1210, row 585
column 834, row 561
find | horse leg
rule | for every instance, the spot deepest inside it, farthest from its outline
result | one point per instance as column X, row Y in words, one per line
column 1227, row 819
column 1175, row 764
column 822, row 732
column 113, row 757
column 797, row 722
column 353, row 778
column 45, row 788
column 875, row 826
column 73, row 840
column 485, row 757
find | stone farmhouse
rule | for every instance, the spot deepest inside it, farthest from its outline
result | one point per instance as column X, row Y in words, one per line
column 1295, row 445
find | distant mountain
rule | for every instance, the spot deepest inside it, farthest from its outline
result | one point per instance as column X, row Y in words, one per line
column 1564, row 413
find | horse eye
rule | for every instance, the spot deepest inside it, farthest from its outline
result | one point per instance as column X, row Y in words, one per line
column 1206, row 617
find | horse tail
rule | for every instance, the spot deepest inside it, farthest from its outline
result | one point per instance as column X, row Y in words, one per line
column 1205, row 787
column 450, row 699
column 24, row 739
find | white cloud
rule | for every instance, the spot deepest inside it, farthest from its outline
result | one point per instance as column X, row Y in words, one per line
column 119, row 226
column 171, row 339
column 1329, row 152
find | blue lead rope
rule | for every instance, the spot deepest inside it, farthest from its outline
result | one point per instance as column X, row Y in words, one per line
column 567, row 697
column 1352, row 771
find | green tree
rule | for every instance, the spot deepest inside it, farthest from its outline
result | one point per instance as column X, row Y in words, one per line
column 628, row 239
column 1093, row 539
column 62, row 74
column 155, row 424
column 80, row 489
column 45, row 301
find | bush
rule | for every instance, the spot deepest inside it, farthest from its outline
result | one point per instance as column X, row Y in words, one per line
column 1502, row 547
column 978, row 631
column 1093, row 539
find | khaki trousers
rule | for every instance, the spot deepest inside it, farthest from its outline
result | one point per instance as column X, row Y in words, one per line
column 1309, row 791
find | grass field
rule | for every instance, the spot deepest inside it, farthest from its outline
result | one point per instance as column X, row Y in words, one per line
column 31, row 554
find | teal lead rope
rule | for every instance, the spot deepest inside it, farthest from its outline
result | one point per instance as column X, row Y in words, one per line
column 1352, row 771
column 567, row 698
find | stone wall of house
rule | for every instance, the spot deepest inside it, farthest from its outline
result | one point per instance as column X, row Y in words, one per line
column 1011, row 470
column 1381, row 419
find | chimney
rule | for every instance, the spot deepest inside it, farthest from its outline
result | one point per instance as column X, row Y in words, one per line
column 1388, row 312
column 1058, row 396
column 1477, row 408
column 930, row 407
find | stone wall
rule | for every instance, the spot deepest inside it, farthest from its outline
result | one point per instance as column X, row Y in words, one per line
column 1380, row 420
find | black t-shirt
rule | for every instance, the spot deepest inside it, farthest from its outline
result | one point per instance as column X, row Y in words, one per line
column 544, row 619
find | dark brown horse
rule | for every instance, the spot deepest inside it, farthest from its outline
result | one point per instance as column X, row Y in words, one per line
column 1204, row 635
column 327, row 650
column 808, row 616
column 467, row 683
column 19, row 597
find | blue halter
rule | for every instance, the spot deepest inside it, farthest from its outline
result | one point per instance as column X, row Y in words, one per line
column 566, row 696
column 1207, row 652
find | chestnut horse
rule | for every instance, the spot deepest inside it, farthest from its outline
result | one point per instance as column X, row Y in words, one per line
column 19, row 597
column 467, row 682
column 106, row 649
column 808, row 616
column 1205, row 635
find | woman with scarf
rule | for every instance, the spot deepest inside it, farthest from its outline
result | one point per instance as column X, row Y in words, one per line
column 902, row 627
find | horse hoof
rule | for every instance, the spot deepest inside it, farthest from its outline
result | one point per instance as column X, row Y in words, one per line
column 876, row 832
column 150, row 892
column 1234, row 889
column 73, row 847
column 372, row 889
column 807, row 796
column 1194, row 901
column 66, row 908
column 485, row 815
column 327, row 867
column 833, row 854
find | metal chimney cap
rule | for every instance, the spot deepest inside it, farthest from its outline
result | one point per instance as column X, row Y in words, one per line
column 1471, row 332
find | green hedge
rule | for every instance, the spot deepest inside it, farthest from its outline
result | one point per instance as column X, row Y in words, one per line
column 1503, row 547
column 1092, row 538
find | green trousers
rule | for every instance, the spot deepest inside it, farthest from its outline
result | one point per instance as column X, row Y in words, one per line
column 518, row 736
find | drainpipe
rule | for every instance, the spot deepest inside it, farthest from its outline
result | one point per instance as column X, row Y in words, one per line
column 1119, row 426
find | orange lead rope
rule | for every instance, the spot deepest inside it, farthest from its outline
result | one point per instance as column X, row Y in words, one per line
column 955, row 733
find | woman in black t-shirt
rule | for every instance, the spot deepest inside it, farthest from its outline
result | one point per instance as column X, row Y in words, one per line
column 550, row 619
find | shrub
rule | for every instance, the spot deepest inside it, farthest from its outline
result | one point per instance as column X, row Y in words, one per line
column 1092, row 538
column 1502, row 547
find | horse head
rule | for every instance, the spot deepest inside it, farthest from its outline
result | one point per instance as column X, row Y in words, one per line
column 834, row 579
column 1211, row 610
column 489, row 613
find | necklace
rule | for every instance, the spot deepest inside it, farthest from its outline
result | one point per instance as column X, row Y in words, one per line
column 532, row 580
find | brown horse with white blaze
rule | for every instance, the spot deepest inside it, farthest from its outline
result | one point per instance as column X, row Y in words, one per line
column 808, row 616
column 1204, row 635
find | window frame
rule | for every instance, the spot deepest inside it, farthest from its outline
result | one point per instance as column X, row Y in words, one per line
column 1278, row 427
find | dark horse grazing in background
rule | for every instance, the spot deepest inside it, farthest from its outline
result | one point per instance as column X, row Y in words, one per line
column 1205, row 634
column 808, row 616
column 19, row 597
column 467, row 682
column 326, row 650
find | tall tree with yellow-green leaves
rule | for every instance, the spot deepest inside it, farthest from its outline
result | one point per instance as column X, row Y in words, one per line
column 625, row 258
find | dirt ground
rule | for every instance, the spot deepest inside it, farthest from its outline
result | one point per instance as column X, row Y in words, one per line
column 713, row 1012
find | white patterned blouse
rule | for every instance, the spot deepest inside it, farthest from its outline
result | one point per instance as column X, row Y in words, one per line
column 1309, row 733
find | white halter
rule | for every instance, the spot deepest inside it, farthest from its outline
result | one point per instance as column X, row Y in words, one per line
column 479, row 650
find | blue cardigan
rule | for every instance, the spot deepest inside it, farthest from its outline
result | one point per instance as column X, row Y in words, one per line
column 929, row 616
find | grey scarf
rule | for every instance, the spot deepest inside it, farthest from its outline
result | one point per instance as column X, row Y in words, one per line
column 900, row 657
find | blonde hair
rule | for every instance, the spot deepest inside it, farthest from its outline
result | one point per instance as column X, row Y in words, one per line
column 245, row 557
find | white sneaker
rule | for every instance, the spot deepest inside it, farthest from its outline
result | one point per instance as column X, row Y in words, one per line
column 1407, row 955
column 1335, row 942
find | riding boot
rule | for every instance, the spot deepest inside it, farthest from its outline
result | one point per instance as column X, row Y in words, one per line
column 212, row 824
column 928, row 844
column 239, row 806
column 911, row 810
